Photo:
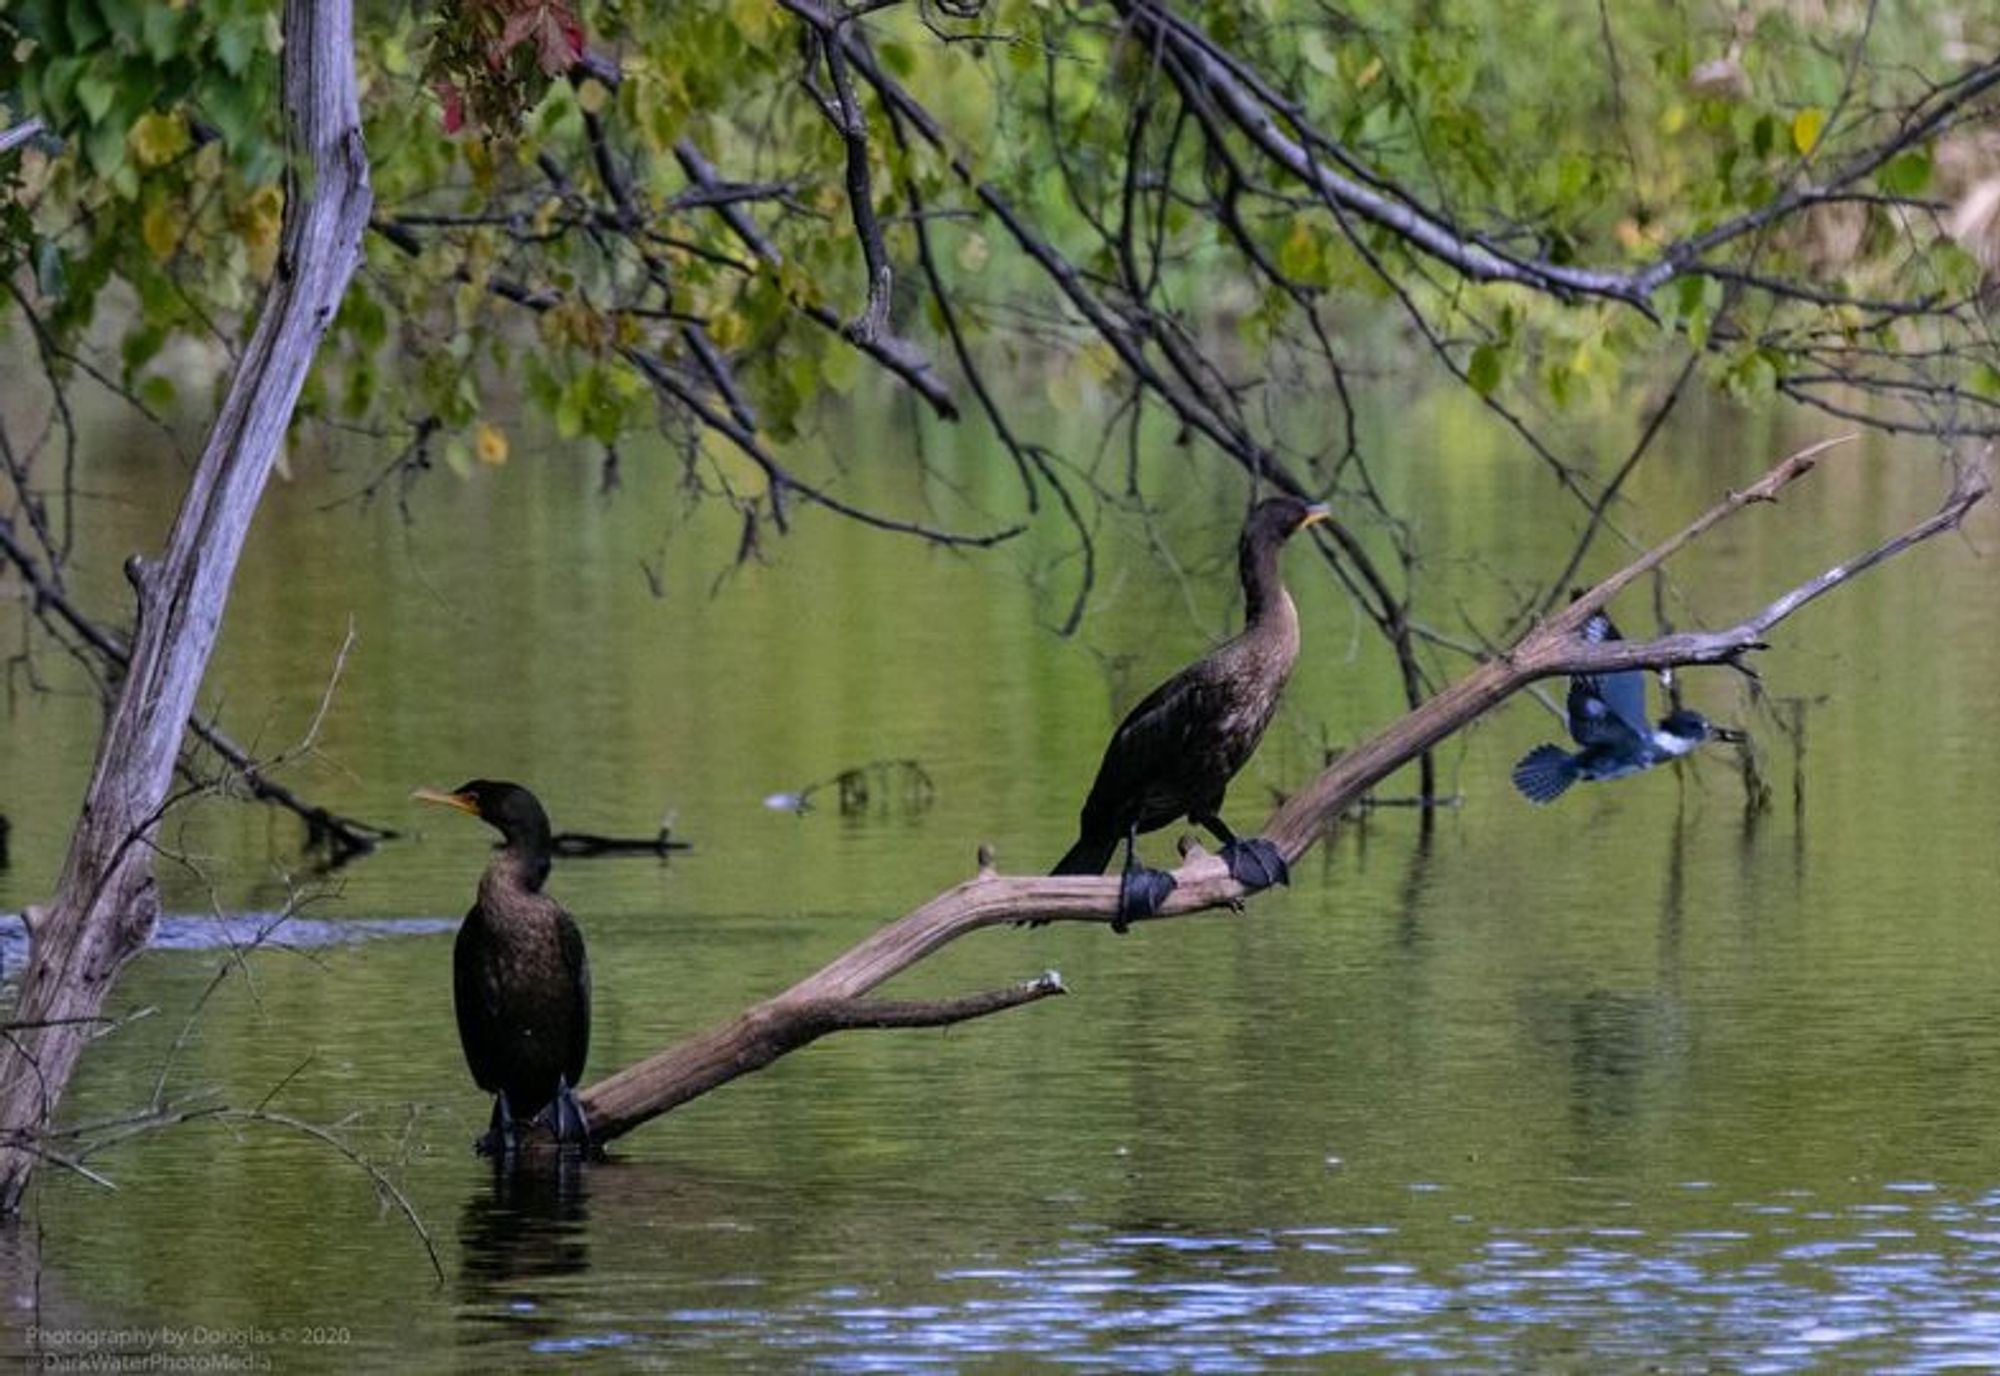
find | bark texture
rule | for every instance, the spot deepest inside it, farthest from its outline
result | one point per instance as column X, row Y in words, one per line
column 106, row 903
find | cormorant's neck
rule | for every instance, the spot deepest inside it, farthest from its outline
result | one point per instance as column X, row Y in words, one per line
column 1264, row 595
column 518, row 866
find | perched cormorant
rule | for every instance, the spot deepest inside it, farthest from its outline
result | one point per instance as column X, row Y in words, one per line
column 1176, row 752
column 520, row 979
column 1607, row 717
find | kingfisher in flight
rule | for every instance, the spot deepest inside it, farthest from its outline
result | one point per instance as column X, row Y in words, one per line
column 1607, row 718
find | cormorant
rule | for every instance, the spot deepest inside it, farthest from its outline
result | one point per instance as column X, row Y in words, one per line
column 1176, row 752
column 1607, row 717
column 520, row 979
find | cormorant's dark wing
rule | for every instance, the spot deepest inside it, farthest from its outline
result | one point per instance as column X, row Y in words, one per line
column 472, row 998
column 1157, row 751
column 576, row 963
column 1607, row 709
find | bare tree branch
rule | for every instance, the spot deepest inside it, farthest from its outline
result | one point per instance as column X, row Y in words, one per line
column 834, row 996
column 12, row 138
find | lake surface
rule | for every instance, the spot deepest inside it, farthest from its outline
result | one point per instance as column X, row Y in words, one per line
column 1631, row 1081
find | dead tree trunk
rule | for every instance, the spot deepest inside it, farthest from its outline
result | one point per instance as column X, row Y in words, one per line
column 834, row 998
column 105, row 904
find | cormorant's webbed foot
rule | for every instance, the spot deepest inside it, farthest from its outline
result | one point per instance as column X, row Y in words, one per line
column 1140, row 893
column 563, row 1116
column 500, row 1138
column 1255, row 863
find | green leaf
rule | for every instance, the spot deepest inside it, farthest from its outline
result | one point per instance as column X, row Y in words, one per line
column 126, row 18
column 104, row 145
column 1698, row 321
column 897, row 57
column 1483, row 369
column 1692, row 291
column 840, row 369
column 569, row 413
column 165, row 30
column 1764, row 136
column 86, row 25
column 1906, row 174
column 1318, row 54
column 1299, row 257
column 158, row 393
column 236, row 43
column 96, row 92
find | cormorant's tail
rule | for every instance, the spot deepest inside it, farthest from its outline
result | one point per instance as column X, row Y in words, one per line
column 1088, row 856
column 1544, row 773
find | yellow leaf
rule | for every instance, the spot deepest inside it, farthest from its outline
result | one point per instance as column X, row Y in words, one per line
column 158, row 137
column 1064, row 392
column 593, row 96
column 1100, row 361
column 490, row 443
column 160, row 227
column 259, row 222
column 1806, row 127
column 753, row 19
column 728, row 330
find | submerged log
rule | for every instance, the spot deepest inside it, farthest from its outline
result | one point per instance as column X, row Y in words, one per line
column 583, row 845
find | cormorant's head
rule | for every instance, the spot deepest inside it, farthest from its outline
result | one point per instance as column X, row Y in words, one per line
column 1276, row 519
column 508, row 808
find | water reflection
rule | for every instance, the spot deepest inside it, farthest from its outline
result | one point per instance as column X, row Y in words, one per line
column 523, row 1228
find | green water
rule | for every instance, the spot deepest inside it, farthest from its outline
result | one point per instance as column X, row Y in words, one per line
column 1625, row 1081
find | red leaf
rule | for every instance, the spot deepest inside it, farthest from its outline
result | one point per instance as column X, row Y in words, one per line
column 520, row 24
column 559, row 37
column 454, row 105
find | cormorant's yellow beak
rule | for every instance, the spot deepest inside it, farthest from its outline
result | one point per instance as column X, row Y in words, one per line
column 458, row 800
column 1317, row 512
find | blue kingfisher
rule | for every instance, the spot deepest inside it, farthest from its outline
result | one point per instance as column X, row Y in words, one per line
column 1607, row 716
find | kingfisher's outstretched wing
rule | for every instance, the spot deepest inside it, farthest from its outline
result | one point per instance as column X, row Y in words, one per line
column 1607, row 708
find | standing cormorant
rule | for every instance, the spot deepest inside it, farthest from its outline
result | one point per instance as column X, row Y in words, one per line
column 1175, row 754
column 520, row 979
column 1607, row 717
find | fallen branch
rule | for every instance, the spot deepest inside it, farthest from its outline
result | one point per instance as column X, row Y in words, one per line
column 833, row 998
